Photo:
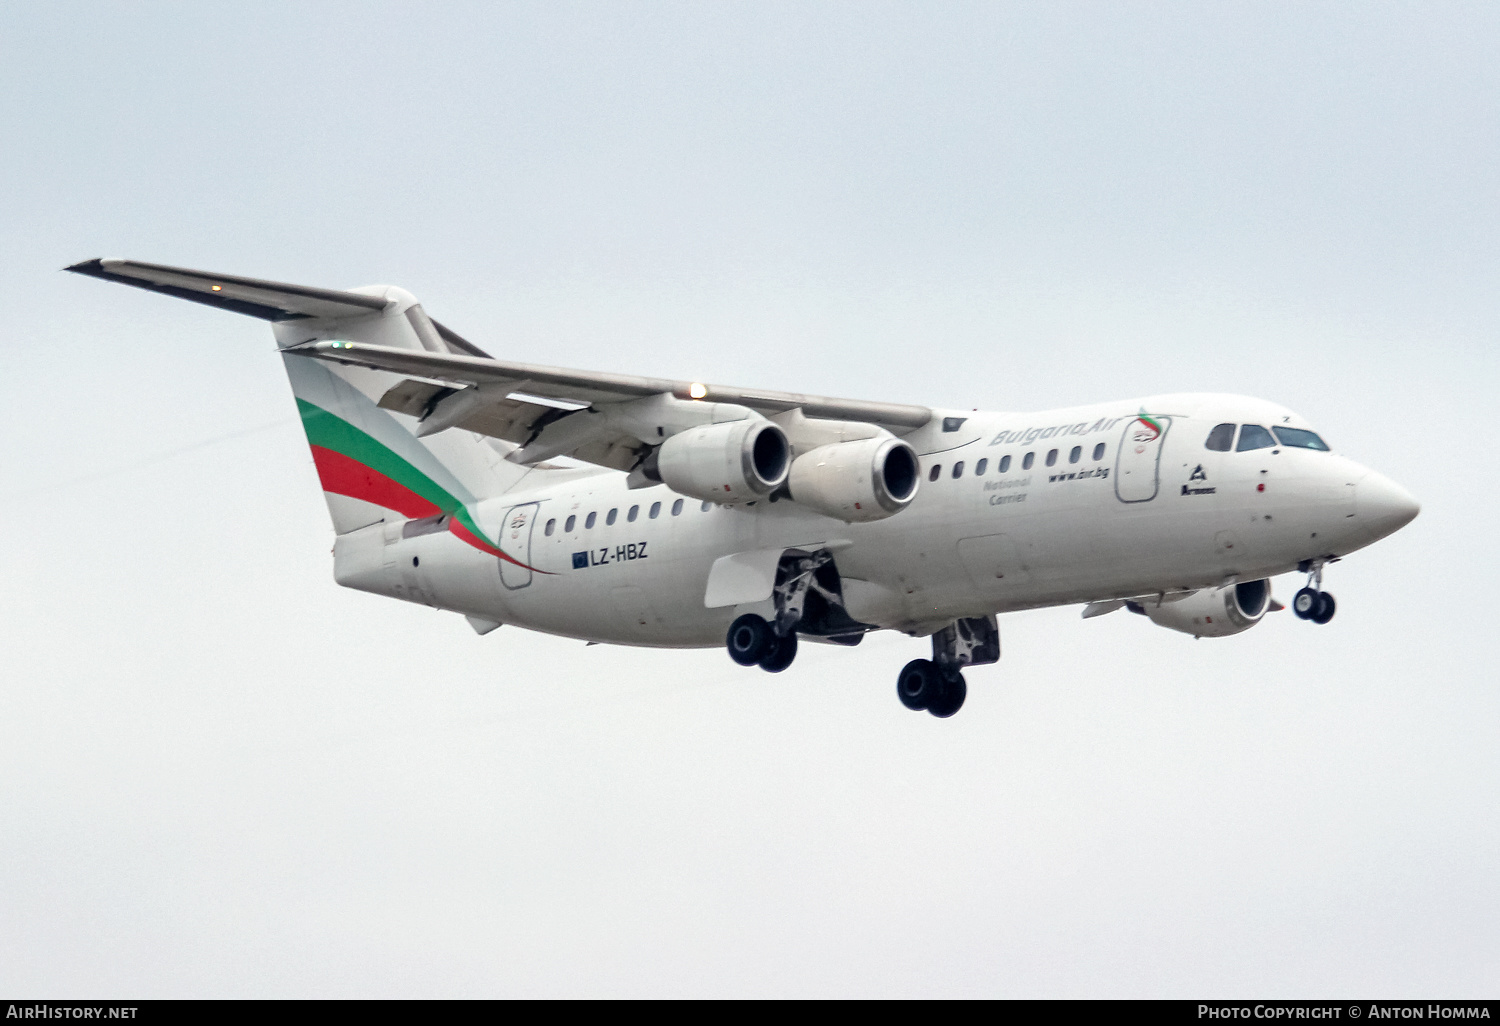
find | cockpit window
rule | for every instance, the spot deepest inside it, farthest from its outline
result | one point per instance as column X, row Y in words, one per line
column 1296, row 438
column 1253, row 436
column 1220, row 438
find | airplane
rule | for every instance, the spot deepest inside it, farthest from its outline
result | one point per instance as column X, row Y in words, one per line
column 683, row 514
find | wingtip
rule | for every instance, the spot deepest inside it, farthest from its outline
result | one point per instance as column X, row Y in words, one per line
column 86, row 266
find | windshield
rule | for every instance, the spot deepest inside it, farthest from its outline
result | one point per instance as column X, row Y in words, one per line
column 1253, row 436
column 1296, row 438
column 1220, row 438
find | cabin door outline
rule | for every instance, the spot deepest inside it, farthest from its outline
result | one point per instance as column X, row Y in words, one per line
column 1138, row 461
column 515, row 542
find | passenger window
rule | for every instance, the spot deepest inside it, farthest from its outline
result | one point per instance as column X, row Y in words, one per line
column 1296, row 438
column 589, row 523
column 958, row 470
column 635, row 511
column 1052, row 458
column 655, row 510
column 609, row 519
column 1253, row 436
column 551, row 526
column 937, row 468
column 1220, row 438
column 1098, row 452
column 1004, row 464
column 981, row 467
column 1028, row 461
column 570, row 524
column 1076, row 454
column 677, row 507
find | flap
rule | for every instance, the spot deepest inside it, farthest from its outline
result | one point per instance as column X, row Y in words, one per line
column 598, row 387
column 1094, row 609
column 512, row 419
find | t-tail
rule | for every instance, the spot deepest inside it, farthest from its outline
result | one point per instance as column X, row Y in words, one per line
column 375, row 459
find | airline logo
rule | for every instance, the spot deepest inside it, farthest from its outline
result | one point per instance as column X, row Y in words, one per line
column 1149, row 431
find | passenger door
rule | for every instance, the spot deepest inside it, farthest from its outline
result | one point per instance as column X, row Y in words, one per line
column 1138, row 463
column 515, row 542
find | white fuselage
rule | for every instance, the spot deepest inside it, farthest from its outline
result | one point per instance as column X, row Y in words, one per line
column 1148, row 515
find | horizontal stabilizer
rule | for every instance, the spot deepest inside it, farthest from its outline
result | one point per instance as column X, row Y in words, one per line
column 268, row 300
column 254, row 297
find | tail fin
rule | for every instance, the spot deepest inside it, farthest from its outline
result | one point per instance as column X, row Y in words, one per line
column 371, row 463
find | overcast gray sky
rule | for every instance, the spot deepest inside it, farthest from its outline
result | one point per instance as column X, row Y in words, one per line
column 222, row 775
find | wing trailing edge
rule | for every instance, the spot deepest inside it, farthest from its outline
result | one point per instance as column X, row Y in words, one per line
column 594, row 387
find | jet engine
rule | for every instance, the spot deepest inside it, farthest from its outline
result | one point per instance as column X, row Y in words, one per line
column 1212, row 612
column 867, row 479
column 736, row 461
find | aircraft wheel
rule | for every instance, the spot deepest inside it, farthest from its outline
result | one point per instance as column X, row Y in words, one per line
column 749, row 639
column 1306, row 603
column 918, row 684
column 779, row 653
column 1326, row 607
column 951, row 700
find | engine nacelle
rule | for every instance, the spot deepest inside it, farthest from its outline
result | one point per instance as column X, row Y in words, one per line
column 867, row 479
column 736, row 461
column 1213, row 612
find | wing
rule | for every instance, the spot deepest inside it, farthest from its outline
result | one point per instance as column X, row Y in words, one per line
column 613, row 420
column 553, row 411
column 590, row 388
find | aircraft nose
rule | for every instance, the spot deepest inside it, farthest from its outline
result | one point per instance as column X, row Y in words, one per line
column 1382, row 506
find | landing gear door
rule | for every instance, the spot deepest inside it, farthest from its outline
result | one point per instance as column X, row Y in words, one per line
column 1138, row 463
column 515, row 542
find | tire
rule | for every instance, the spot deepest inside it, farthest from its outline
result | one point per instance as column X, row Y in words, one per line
column 748, row 639
column 779, row 654
column 918, row 683
column 1326, row 607
column 951, row 700
column 1306, row 603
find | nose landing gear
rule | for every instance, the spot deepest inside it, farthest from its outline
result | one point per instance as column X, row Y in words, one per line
column 1311, row 603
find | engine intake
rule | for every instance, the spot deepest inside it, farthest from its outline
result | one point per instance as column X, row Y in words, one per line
column 858, row 481
column 1213, row 612
column 732, row 462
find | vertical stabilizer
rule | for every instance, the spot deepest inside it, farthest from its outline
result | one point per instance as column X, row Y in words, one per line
column 372, row 465
column 370, row 460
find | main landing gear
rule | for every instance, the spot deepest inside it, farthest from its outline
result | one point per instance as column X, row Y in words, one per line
column 924, row 685
column 1311, row 603
column 772, row 644
column 754, row 642
column 937, row 684
column 808, row 597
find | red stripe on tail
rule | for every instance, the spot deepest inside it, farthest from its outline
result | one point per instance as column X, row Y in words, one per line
column 344, row 476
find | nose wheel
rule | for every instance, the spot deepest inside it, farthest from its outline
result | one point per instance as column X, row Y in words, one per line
column 1311, row 603
column 1314, row 605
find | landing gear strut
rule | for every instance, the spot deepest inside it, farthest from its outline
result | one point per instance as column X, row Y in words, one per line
column 772, row 645
column 1311, row 603
column 937, row 684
